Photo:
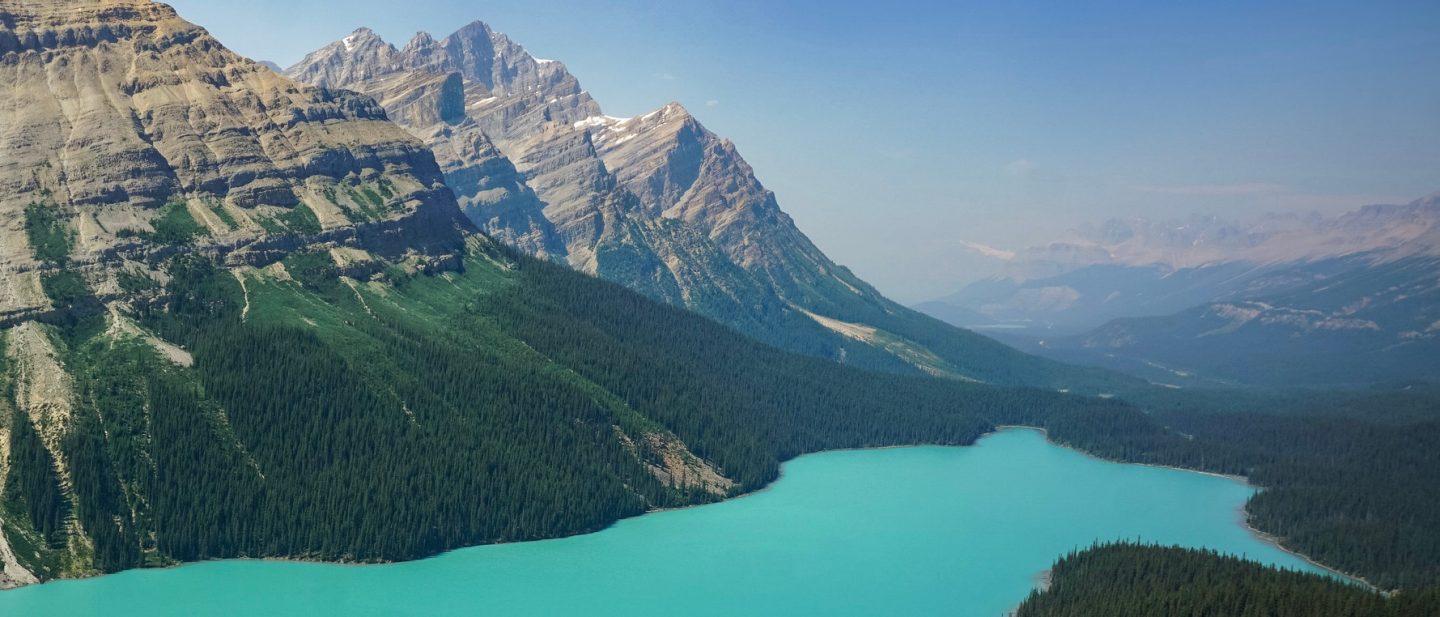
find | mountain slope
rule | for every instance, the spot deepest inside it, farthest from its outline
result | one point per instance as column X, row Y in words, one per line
column 656, row 203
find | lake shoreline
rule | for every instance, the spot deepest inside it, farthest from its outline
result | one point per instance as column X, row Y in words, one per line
column 1245, row 515
column 932, row 544
column 769, row 486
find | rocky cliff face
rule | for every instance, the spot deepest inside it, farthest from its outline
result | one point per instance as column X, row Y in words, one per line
column 130, row 128
column 655, row 202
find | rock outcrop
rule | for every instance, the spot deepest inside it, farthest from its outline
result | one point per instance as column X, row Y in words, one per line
column 127, row 128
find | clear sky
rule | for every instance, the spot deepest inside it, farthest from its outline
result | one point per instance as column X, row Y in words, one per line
column 896, row 131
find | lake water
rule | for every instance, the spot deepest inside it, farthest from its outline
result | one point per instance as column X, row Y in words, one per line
column 906, row 531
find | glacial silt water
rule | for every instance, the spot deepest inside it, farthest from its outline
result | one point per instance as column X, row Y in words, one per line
column 903, row 531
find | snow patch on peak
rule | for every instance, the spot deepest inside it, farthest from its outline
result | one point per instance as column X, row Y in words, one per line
column 599, row 121
column 665, row 114
column 359, row 33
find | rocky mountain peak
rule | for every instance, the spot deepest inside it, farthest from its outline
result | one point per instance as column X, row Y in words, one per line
column 35, row 25
column 362, row 39
column 420, row 40
column 510, row 92
column 358, row 57
column 475, row 30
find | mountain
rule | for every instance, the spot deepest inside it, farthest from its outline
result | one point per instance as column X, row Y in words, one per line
column 1083, row 298
column 1286, row 300
column 656, row 202
column 1138, row 267
column 1341, row 322
column 243, row 317
column 1393, row 231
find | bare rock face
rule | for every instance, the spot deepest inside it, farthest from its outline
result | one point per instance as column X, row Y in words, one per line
column 509, row 93
column 423, row 99
column 493, row 193
column 682, row 171
column 123, row 116
column 504, row 96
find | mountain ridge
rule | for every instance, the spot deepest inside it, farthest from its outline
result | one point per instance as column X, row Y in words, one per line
column 1297, row 296
column 655, row 202
column 1384, row 231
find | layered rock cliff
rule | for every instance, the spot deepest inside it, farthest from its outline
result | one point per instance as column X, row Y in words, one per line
column 128, row 132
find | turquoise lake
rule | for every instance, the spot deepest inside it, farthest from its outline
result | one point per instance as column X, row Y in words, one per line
column 904, row 531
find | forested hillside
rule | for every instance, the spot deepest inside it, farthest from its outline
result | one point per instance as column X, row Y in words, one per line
column 305, row 409
column 1127, row 580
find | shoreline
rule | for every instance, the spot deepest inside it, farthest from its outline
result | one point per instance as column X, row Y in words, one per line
column 1348, row 577
column 1244, row 519
column 1216, row 474
column 302, row 559
column 1245, row 515
column 780, row 475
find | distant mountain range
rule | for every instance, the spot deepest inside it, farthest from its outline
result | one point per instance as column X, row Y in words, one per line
column 656, row 202
column 1285, row 300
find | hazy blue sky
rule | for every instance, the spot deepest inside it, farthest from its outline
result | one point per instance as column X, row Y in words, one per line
column 894, row 131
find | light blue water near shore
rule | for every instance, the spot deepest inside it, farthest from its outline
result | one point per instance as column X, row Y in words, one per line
column 905, row 531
